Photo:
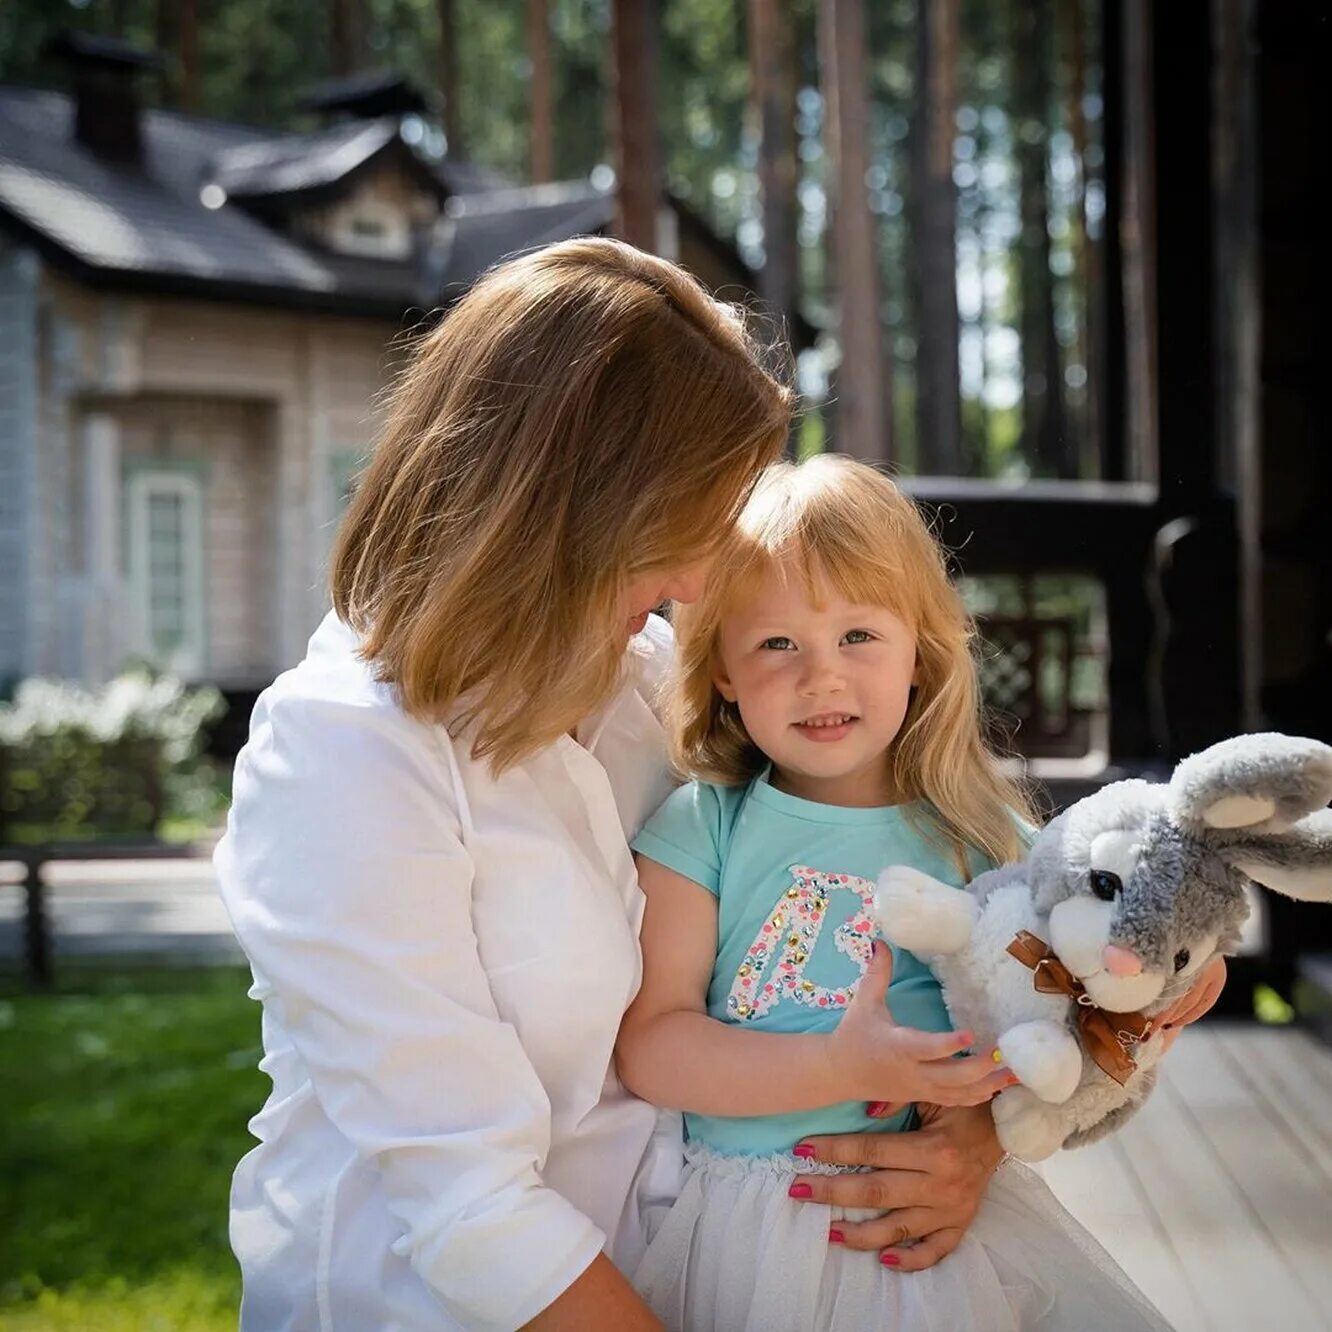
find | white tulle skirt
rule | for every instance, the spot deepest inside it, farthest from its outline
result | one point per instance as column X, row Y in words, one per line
column 736, row 1254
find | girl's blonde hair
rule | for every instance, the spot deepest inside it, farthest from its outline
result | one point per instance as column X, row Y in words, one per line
column 842, row 520
column 586, row 413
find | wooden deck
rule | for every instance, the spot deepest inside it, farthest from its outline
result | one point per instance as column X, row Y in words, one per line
column 1217, row 1197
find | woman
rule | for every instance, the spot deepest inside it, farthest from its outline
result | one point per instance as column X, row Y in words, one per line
column 427, row 856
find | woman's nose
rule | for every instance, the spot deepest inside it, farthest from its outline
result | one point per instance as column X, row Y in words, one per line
column 687, row 585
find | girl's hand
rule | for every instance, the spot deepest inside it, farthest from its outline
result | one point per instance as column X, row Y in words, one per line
column 1191, row 1006
column 871, row 1058
column 930, row 1183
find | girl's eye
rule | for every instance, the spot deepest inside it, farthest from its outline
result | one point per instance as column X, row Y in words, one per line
column 777, row 644
column 858, row 636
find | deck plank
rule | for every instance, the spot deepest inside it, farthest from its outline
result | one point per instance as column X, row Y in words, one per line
column 1099, row 1185
column 1234, row 1239
column 1292, row 1074
column 1287, row 1195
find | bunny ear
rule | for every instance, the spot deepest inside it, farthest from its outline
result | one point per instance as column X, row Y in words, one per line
column 1262, row 783
column 1296, row 863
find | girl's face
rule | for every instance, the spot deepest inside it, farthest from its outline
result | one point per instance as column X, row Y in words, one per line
column 643, row 594
column 822, row 688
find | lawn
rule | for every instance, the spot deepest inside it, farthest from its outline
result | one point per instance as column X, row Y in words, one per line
column 125, row 1100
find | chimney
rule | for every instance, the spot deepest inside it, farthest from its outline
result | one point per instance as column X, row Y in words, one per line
column 106, row 102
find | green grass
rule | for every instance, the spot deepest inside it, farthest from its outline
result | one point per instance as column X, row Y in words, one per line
column 123, row 1110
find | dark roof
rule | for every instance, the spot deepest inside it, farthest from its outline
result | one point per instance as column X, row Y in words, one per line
column 483, row 228
column 288, row 165
column 150, row 228
column 378, row 92
column 110, row 52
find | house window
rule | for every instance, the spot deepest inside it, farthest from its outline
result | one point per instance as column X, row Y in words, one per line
column 165, row 542
column 373, row 227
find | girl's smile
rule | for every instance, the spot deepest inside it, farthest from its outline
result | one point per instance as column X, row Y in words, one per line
column 826, row 727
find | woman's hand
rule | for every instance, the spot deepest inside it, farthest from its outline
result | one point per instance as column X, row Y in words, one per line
column 871, row 1058
column 930, row 1183
column 1191, row 1006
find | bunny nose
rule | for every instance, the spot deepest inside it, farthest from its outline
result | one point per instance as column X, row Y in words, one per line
column 1120, row 962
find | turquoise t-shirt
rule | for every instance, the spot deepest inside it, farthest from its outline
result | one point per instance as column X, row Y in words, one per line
column 794, row 882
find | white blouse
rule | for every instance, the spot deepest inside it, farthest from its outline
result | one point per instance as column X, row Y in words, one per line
column 443, row 959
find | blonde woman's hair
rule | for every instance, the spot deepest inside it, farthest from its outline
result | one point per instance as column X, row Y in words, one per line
column 842, row 520
column 586, row 413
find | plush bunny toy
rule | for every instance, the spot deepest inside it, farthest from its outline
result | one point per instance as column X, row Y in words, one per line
column 1064, row 959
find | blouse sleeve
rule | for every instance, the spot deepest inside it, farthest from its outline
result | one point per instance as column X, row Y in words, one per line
column 349, row 887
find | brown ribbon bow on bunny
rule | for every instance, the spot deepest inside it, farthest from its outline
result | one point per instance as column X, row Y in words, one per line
column 1105, row 1036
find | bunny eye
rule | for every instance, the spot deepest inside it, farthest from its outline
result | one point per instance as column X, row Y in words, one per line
column 1181, row 959
column 1105, row 885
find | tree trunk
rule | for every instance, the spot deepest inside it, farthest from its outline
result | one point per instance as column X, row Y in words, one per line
column 188, row 46
column 346, row 37
column 772, row 75
column 1086, row 252
column 864, row 382
column 449, row 85
column 636, row 123
column 1044, row 427
column 164, row 39
column 938, row 386
column 1137, row 238
column 542, row 108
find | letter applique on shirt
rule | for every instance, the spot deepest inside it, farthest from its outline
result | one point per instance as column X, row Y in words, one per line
column 789, row 935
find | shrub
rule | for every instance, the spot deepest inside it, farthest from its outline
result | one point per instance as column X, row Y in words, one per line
column 78, row 764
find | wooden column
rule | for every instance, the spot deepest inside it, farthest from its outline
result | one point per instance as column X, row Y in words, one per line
column 637, row 159
column 862, row 386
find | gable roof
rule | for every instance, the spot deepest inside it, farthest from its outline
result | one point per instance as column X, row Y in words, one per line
column 481, row 229
column 149, row 228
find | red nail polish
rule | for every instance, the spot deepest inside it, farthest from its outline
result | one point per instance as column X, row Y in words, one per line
column 803, row 1150
column 874, row 1109
column 800, row 1191
column 889, row 1259
column 835, row 1236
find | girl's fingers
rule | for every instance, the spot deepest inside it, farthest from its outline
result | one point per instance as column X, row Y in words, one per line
column 885, row 1109
column 961, row 1072
column 872, row 992
column 929, row 1046
column 972, row 1093
column 924, row 1253
column 883, row 1232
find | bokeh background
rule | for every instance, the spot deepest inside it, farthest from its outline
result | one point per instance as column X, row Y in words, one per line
column 1055, row 263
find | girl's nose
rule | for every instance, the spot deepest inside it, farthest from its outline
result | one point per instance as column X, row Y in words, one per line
column 1120, row 962
column 820, row 677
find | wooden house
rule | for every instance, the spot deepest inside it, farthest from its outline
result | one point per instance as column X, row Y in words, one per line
column 195, row 320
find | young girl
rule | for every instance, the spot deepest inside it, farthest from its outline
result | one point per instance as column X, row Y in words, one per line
column 827, row 706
